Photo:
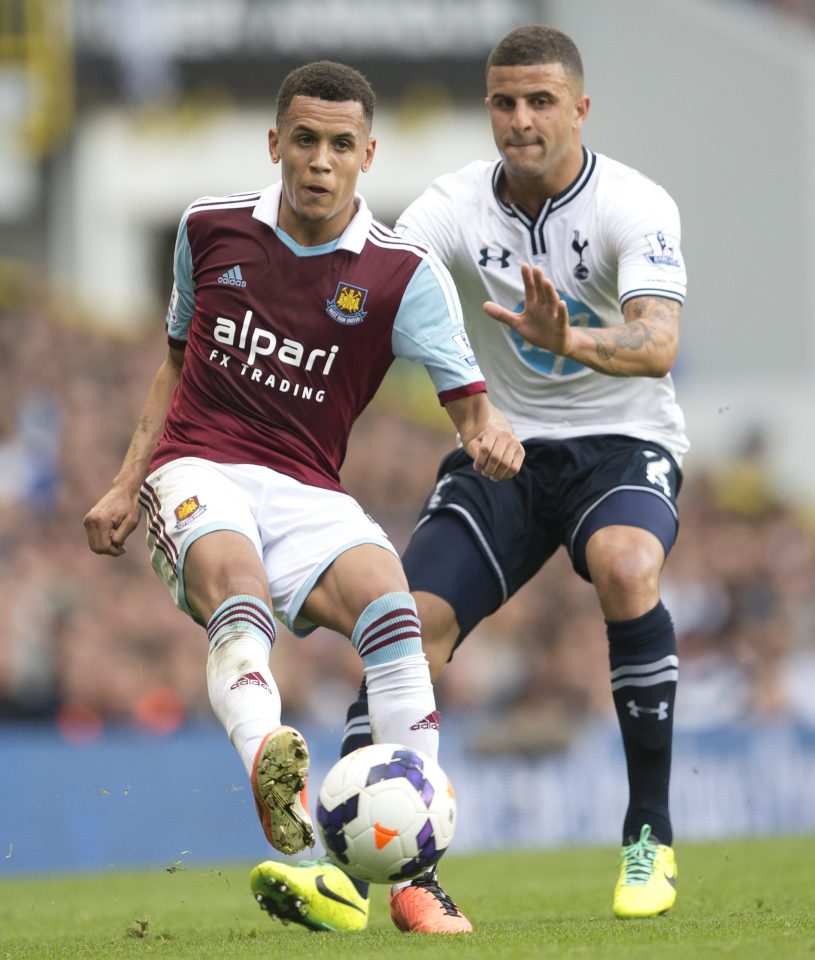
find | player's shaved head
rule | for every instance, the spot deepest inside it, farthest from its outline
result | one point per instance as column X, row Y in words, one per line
column 326, row 80
column 538, row 44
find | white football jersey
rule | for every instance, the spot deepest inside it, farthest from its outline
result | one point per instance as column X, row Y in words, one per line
column 612, row 235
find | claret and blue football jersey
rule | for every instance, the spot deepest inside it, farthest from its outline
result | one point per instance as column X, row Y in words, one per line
column 285, row 345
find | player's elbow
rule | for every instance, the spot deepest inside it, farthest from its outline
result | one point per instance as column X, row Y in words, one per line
column 661, row 368
column 662, row 360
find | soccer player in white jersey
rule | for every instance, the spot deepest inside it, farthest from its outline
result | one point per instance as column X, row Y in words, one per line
column 571, row 278
column 288, row 308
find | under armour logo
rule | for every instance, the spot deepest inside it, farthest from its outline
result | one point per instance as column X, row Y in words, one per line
column 660, row 712
column 656, row 471
column 486, row 256
column 581, row 271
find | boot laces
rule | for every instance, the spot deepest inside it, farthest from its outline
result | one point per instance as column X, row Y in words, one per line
column 429, row 882
column 638, row 858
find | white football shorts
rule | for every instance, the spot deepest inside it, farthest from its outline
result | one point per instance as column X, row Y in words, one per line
column 298, row 530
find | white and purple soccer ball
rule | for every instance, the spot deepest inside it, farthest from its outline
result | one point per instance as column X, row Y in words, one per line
column 386, row 813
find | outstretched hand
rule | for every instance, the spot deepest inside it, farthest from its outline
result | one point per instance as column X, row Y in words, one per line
column 111, row 521
column 545, row 319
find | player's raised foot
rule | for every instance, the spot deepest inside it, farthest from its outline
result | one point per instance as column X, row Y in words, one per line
column 314, row 893
column 646, row 885
column 279, row 778
column 424, row 907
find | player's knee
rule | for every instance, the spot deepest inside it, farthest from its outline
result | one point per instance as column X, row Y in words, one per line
column 626, row 574
column 221, row 565
column 627, row 583
column 624, row 558
column 366, row 573
column 205, row 596
column 625, row 566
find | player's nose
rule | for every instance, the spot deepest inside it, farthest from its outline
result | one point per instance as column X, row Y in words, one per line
column 521, row 117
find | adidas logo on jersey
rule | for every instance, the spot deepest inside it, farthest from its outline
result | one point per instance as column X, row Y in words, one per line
column 233, row 277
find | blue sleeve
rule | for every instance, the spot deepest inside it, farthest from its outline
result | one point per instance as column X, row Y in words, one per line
column 182, row 300
column 429, row 329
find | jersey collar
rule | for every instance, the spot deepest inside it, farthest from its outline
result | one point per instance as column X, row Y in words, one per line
column 551, row 203
column 535, row 224
column 352, row 238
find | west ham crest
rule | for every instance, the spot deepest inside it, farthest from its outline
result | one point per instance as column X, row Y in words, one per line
column 187, row 511
column 347, row 305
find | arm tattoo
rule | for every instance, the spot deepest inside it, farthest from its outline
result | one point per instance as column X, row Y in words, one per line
column 633, row 335
column 658, row 309
column 644, row 316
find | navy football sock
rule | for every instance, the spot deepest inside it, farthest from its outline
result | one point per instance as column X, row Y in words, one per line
column 644, row 673
column 357, row 734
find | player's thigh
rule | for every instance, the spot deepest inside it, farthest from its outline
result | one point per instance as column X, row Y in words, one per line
column 453, row 578
column 356, row 578
column 186, row 500
column 477, row 541
column 627, row 489
column 306, row 530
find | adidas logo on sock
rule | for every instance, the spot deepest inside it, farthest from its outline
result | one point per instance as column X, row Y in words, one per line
column 233, row 278
column 251, row 680
column 430, row 722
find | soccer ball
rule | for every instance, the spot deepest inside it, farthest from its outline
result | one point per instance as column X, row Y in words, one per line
column 386, row 813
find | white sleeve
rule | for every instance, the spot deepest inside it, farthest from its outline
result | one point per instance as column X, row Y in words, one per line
column 431, row 219
column 649, row 259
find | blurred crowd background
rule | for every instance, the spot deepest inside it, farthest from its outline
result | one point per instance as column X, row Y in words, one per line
column 88, row 642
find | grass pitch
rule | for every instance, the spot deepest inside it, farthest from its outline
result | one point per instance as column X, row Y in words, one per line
column 746, row 899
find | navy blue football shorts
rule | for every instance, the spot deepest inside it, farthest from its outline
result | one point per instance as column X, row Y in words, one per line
column 478, row 541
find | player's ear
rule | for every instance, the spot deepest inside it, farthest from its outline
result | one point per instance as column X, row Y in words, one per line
column 368, row 156
column 581, row 111
column 274, row 145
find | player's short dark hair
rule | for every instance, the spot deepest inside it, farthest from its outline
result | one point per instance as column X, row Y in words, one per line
column 326, row 80
column 536, row 44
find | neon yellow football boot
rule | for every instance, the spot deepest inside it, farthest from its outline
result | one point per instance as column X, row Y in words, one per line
column 314, row 893
column 646, row 885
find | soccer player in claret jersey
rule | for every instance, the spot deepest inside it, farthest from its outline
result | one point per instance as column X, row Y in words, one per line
column 577, row 257
column 288, row 308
